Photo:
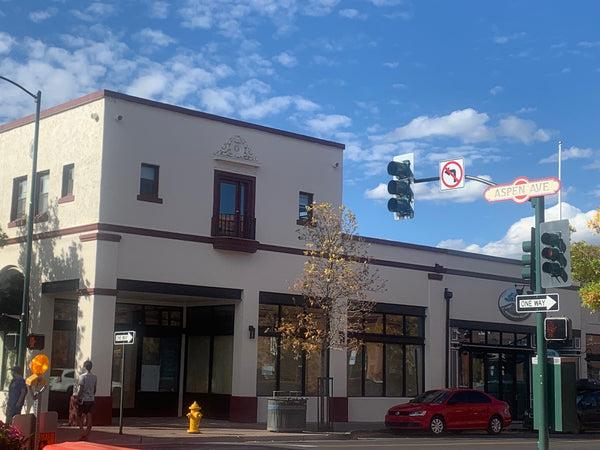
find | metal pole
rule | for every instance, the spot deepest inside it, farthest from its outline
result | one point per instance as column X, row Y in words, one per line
column 540, row 386
column 122, row 388
column 559, row 179
column 28, row 248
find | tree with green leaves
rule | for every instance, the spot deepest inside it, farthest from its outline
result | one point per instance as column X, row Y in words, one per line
column 585, row 267
column 335, row 287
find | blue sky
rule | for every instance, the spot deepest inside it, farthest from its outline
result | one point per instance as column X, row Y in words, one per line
column 498, row 83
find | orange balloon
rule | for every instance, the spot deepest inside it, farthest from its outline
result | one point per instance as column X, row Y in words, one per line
column 40, row 364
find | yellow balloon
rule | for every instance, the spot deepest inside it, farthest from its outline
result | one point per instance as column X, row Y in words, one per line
column 40, row 364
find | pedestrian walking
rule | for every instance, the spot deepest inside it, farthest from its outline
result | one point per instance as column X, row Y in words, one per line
column 17, row 390
column 85, row 400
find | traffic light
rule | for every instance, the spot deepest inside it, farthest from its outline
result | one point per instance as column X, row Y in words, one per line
column 555, row 254
column 528, row 261
column 35, row 342
column 557, row 328
column 401, row 188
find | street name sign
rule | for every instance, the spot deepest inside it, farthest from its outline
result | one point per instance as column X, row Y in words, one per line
column 537, row 302
column 522, row 189
column 124, row 337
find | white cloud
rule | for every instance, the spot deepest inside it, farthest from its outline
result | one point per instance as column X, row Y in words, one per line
column 505, row 39
column 40, row 16
column 569, row 153
column 496, row 90
column 159, row 10
column 155, row 37
column 466, row 124
column 287, row 60
column 148, row 86
column 352, row 14
column 523, row 130
column 6, row 43
column 324, row 124
column 510, row 245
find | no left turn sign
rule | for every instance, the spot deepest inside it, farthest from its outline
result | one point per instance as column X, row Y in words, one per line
column 452, row 174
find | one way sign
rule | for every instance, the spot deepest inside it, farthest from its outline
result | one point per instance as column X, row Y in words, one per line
column 537, row 302
column 124, row 337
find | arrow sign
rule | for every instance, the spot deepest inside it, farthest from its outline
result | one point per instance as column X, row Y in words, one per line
column 124, row 337
column 537, row 302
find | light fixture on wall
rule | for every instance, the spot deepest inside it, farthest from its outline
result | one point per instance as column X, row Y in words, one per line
column 448, row 294
column 252, row 332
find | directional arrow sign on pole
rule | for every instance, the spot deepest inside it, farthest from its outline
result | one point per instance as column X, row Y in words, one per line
column 537, row 302
column 124, row 337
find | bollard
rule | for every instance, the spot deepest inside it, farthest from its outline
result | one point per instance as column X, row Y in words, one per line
column 194, row 415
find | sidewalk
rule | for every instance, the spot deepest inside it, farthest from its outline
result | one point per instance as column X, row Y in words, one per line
column 171, row 432
column 157, row 432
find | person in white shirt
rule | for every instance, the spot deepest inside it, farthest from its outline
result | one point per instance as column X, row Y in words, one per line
column 86, row 399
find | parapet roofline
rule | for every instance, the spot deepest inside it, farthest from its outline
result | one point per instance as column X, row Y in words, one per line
column 105, row 93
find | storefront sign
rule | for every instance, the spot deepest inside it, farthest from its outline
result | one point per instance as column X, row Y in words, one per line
column 507, row 304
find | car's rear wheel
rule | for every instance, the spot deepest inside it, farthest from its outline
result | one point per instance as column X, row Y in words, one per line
column 495, row 425
column 437, row 425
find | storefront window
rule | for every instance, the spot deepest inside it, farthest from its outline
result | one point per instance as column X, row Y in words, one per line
column 281, row 369
column 266, row 381
column 394, row 325
column 508, row 338
column 355, row 370
column 592, row 355
column 493, row 338
column 388, row 363
column 394, row 373
column 374, row 369
column 290, row 372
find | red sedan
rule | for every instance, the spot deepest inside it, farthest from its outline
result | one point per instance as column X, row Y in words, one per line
column 450, row 409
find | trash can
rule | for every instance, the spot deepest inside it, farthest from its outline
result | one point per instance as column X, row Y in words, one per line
column 286, row 412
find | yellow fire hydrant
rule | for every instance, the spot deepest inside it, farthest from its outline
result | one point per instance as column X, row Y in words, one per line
column 194, row 415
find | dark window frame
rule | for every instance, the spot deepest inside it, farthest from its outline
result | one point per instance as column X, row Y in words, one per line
column 15, row 215
column 304, row 216
column 242, row 223
column 41, row 213
column 145, row 194
column 68, row 183
column 404, row 340
column 265, row 331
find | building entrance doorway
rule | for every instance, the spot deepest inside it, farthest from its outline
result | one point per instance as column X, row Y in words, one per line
column 504, row 374
column 209, row 359
column 152, row 363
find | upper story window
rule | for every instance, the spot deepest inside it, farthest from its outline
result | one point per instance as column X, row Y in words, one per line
column 233, row 205
column 19, row 198
column 41, row 197
column 305, row 199
column 149, row 184
column 66, row 193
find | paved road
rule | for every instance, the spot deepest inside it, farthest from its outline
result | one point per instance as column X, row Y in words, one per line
column 475, row 442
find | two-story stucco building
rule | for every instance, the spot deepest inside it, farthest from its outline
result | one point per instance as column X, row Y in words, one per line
column 181, row 226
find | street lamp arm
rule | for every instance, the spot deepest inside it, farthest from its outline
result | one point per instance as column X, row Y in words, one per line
column 29, row 243
column 35, row 97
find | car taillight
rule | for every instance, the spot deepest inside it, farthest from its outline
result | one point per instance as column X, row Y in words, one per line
column 60, row 378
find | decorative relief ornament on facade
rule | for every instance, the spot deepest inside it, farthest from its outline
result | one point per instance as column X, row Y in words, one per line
column 236, row 147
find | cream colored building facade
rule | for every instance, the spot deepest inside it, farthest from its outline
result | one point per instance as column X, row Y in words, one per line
column 180, row 226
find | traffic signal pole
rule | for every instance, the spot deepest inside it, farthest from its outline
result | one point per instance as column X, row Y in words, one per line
column 540, row 390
